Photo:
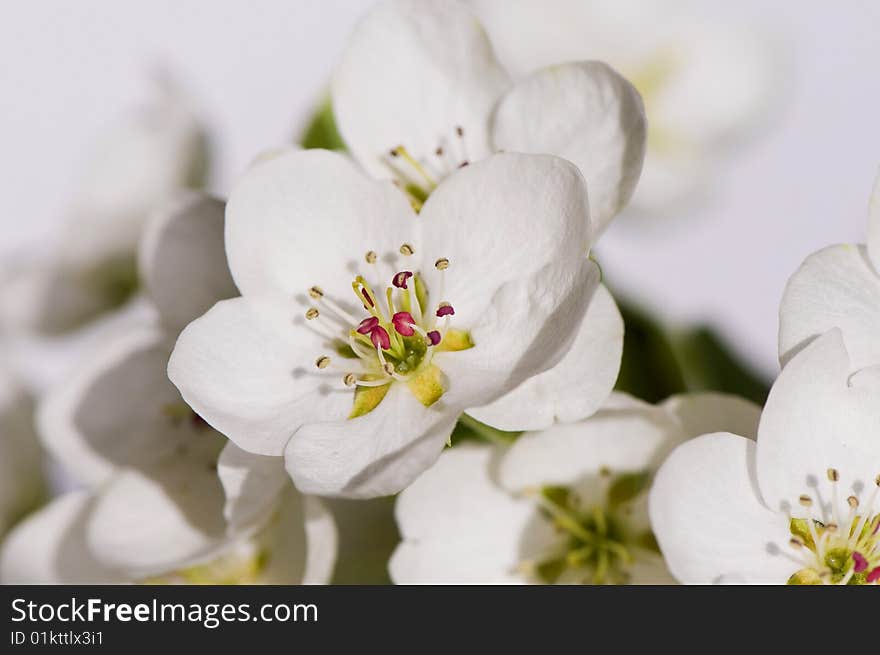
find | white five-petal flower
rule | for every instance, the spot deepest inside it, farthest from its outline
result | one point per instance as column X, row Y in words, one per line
column 838, row 286
column 706, row 80
column 801, row 505
column 364, row 329
column 565, row 505
column 418, row 93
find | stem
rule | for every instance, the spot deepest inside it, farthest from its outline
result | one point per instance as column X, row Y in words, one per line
column 485, row 432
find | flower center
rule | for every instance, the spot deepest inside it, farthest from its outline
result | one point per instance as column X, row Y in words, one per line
column 418, row 176
column 834, row 547
column 596, row 544
column 395, row 342
column 244, row 563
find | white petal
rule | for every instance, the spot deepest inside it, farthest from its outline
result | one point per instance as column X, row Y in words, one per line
column 50, row 547
column 584, row 112
column 835, row 287
column 376, row 454
column 252, row 484
column 874, row 225
column 722, row 79
column 321, row 542
column 625, row 440
column 527, row 329
column 522, row 297
column 308, row 218
column 574, row 388
column 819, row 416
column 121, row 391
column 411, row 73
column 248, row 368
column 301, row 541
column 705, row 412
column 457, row 526
column 182, row 258
column 153, row 152
column 709, row 520
column 151, row 520
column 537, row 202
column 44, row 361
column 22, row 486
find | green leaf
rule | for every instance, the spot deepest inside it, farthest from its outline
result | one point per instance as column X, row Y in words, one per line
column 470, row 429
column 711, row 364
column 648, row 369
column 321, row 131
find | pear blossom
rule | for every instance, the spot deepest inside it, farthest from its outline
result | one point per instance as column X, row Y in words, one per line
column 154, row 152
column 22, row 486
column 799, row 506
column 418, row 93
column 564, row 505
column 839, row 286
column 364, row 330
column 707, row 80
column 120, row 427
column 295, row 545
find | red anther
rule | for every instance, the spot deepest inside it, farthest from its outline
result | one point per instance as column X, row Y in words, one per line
column 860, row 562
column 434, row 337
column 368, row 325
column 367, row 297
column 445, row 310
column 403, row 322
column 874, row 575
column 380, row 338
column 399, row 279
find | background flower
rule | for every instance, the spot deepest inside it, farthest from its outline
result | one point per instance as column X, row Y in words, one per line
column 565, row 505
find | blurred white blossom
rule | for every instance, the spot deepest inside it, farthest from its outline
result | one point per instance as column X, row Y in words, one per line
column 566, row 505
column 707, row 79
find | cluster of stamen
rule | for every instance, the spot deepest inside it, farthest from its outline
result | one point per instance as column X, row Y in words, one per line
column 399, row 336
column 595, row 545
column 419, row 176
column 837, row 547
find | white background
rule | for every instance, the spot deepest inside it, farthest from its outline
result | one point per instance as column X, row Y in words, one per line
column 257, row 67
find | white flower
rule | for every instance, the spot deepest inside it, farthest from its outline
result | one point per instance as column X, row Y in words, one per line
column 838, row 286
column 418, row 93
column 21, row 477
column 705, row 80
column 566, row 505
column 156, row 151
column 157, row 509
column 295, row 545
column 801, row 505
column 364, row 330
